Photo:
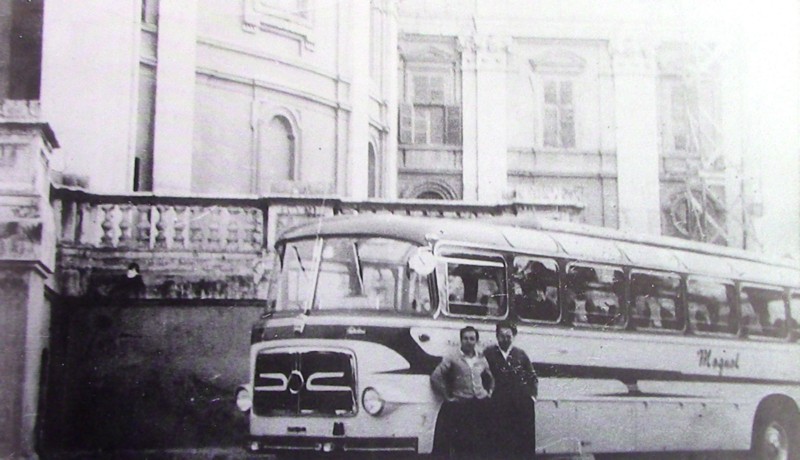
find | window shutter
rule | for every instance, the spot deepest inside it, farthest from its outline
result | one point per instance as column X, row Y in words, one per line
column 406, row 122
column 453, row 122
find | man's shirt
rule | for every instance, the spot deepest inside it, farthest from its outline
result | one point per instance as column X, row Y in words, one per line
column 461, row 377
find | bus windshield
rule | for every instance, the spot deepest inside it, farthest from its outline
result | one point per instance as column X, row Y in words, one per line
column 348, row 273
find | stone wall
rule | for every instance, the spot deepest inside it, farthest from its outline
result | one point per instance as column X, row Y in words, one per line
column 137, row 375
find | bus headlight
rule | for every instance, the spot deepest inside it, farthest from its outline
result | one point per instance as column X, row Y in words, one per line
column 372, row 401
column 243, row 400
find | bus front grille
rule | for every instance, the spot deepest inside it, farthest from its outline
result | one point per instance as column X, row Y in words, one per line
column 304, row 382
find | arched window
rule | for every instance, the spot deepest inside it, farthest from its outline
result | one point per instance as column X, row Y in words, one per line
column 432, row 190
column 276, row 153
column 430, row 195
column 372, row 172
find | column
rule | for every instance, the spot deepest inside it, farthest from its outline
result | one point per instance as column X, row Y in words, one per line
column 490, row 117
column 27, row 259
column 175, row 87
column 636, row 104
column 358, row 136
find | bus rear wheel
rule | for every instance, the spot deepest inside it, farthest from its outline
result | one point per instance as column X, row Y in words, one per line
column 775, row 435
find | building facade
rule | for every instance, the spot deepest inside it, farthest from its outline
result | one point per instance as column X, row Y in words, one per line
column 631, row 111
column 183, row 135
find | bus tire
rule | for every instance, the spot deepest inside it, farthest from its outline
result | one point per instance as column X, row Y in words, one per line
column 775, row 434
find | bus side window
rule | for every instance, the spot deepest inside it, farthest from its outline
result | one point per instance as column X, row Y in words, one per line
column 534, row 289
column 793, row 322
column 476, row 290
column 710, row 306
column 763, row 312
column 595, row 294
column 655, row 301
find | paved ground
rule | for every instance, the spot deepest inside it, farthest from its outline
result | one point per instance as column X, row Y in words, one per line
column 240, row 454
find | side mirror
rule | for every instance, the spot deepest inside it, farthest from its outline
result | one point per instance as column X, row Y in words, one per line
column 422, row 261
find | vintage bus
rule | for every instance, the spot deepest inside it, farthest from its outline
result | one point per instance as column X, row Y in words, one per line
column 641, row 344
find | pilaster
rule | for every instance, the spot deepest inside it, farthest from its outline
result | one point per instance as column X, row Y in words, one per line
column 175, row 88
column 485, row 67
column 392, row 95
column 358, row 139
column 469, row 102
column 491, row 63
column 636, row 103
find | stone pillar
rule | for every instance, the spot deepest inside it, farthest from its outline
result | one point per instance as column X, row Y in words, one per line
column 175, row 87
column 490, row 117
column 391, row 93
column 358, row 136
column 27, row 258
column 636, row 112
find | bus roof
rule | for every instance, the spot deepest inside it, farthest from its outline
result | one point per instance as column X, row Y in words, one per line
column 558, row 239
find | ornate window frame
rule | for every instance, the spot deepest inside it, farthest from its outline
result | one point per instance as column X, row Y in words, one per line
column 258, row 15
column 266, row 117
column 557, row 66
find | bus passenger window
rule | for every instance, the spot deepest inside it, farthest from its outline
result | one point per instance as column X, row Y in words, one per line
column 595, row 294
column 655, row 303
column 763, row 312
column 793, row 323
column 534, row 289
column 476, row 289
column 710, row 306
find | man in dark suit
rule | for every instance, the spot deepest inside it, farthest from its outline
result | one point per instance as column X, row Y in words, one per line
column 515, row 390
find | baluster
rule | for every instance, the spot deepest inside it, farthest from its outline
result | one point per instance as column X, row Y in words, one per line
column 125, row 225
column 257, row 229
column 84, row 224
column 180, row 225
column 161, row 227
column 69, row 219
column 233, row 228
column 143, row 226
column 196, row 227
column 214, row 227
column 107, row 225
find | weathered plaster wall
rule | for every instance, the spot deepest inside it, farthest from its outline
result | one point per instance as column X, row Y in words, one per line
column 130, row 376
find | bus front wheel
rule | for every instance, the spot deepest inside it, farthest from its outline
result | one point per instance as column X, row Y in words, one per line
column 775, row 435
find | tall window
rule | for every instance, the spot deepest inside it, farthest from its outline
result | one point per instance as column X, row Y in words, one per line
column 429, row 109
column 276, row 155
column 148, row 55
column 22, row 61
column 372, row 174
column 689, row 101
column 430, row 98
column 683, row 110
column 559, row 114
column 150, row 12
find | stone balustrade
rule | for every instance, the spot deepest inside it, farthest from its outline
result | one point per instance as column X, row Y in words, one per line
column 192, row 247
column 151, row 223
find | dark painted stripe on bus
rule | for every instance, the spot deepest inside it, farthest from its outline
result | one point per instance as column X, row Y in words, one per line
column 630, row 376
column 421, row 363
column 642, row 394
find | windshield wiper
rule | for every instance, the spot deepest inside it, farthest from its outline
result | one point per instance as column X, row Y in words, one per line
column 299, row 260
column 359, row 269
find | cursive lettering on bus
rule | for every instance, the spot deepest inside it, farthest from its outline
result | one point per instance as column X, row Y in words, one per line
column 706, row 358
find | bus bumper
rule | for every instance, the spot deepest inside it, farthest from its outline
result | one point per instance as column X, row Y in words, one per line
column 277, row 444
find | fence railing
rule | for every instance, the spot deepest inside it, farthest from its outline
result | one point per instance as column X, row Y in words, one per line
column 148, row 222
